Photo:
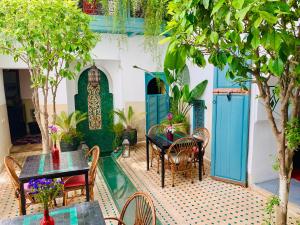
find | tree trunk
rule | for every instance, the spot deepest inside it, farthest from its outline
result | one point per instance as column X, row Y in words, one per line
column 284, row 189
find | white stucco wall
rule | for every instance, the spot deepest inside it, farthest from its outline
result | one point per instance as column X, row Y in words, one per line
column 262, row 145
column 5, row 142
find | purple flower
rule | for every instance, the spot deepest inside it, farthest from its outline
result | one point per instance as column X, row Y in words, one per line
column 170, row 116
column 53, row 129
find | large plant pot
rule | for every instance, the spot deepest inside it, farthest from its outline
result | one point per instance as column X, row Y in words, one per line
column 182, row 127
column 131, row 135
column 67, row 147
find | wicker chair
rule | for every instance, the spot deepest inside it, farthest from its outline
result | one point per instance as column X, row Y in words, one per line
column 203, row 135
column 144, row 211
column 155, row 151
column 180, row 157
column 10, row 164
column 75, row 183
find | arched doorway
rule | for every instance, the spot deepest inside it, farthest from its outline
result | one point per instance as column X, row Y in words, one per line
column 100, row 103
column 157, row 99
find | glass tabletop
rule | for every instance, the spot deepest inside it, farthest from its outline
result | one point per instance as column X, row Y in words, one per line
column 161, row 140
column 43, row 165
column 87, row 213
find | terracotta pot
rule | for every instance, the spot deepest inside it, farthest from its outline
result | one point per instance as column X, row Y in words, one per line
column 47, row 219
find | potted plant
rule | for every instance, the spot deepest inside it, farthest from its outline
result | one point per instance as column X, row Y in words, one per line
column 45, row 191
column 118, row 130
column 69, row 136
column 129, row 132
column 181, row 97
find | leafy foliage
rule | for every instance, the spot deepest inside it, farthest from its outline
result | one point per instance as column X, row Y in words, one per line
column 258, row 41
column 293, row 133
column 67, row 125
column 53, row 38
column 125, row 119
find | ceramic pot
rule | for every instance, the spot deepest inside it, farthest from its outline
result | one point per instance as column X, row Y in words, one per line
column 170, row 136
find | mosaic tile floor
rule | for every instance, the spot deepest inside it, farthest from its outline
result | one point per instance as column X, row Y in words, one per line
column 205, row 202
column 8, row 203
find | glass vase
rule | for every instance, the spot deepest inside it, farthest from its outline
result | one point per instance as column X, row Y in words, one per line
column 47, row 219
column 170, row 136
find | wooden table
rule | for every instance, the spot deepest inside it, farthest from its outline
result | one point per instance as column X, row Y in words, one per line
column 42, row 166
column 87, row 213
column 161, row 141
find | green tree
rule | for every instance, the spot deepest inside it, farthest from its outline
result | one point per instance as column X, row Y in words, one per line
column 52, row 37
column 259, row 41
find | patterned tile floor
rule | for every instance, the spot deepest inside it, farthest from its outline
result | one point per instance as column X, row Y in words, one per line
column 204, row 202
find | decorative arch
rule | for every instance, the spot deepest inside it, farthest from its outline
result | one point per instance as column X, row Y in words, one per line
column 99, row 135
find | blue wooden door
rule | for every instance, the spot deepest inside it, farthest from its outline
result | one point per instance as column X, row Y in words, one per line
column 157, row 101
column 230, row 130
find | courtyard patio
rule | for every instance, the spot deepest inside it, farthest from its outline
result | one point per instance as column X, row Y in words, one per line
column 203, row 202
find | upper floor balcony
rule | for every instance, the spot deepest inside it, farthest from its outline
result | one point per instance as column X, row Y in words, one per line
column 103, row 22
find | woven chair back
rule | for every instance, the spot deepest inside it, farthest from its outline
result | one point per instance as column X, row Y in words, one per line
column 10, row 165
column 143, row 207
column 94, row 152
column 202, row 134
column 181, row 153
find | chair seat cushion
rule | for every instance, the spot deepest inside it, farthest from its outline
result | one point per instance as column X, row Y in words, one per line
column 74, row 181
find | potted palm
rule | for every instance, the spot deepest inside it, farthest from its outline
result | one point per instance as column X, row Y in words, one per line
column 181, row 97
column 129, row 132
column 69, row 136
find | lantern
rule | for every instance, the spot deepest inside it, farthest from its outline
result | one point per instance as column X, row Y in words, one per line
column 93, row 76
column 126, row 148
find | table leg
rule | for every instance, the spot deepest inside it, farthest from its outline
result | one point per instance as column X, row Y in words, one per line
column 162, row 168
column 23, row 199
column 200, row 159
column 87, row 189
column 147, row 152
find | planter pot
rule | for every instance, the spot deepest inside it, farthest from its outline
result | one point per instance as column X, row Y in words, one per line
column 131, row 135
column 67, row 147
column 182, row 127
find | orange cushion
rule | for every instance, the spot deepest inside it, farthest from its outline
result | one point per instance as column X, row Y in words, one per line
column 74, row 181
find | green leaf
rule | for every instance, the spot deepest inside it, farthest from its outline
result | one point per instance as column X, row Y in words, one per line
column 242, row 13
column 214, row 37
column 257, row 22
column 276, row 66
column 217, row 6
column 255, row 41
column 274, row 40
column 198, row 91
column 268, row 17
column 165, row 40
column 227, row 18
column 237, row 4
column 175, row 60
column 206, row 4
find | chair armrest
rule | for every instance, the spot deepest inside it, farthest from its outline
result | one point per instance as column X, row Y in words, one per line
column 113, row 218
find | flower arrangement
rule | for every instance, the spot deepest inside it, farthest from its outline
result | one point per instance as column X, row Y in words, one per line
column 45, row 191
column 170, row 129
column 53, row 132
column 170, row 118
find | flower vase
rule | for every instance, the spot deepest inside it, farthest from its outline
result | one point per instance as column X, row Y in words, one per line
column 47, row 219
column 55, row 154
column 170, row 136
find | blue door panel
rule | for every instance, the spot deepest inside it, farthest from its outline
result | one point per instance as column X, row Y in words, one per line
column 230, row 130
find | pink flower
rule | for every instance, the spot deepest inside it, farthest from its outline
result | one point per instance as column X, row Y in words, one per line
column 53, row 129
column 170, row 116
